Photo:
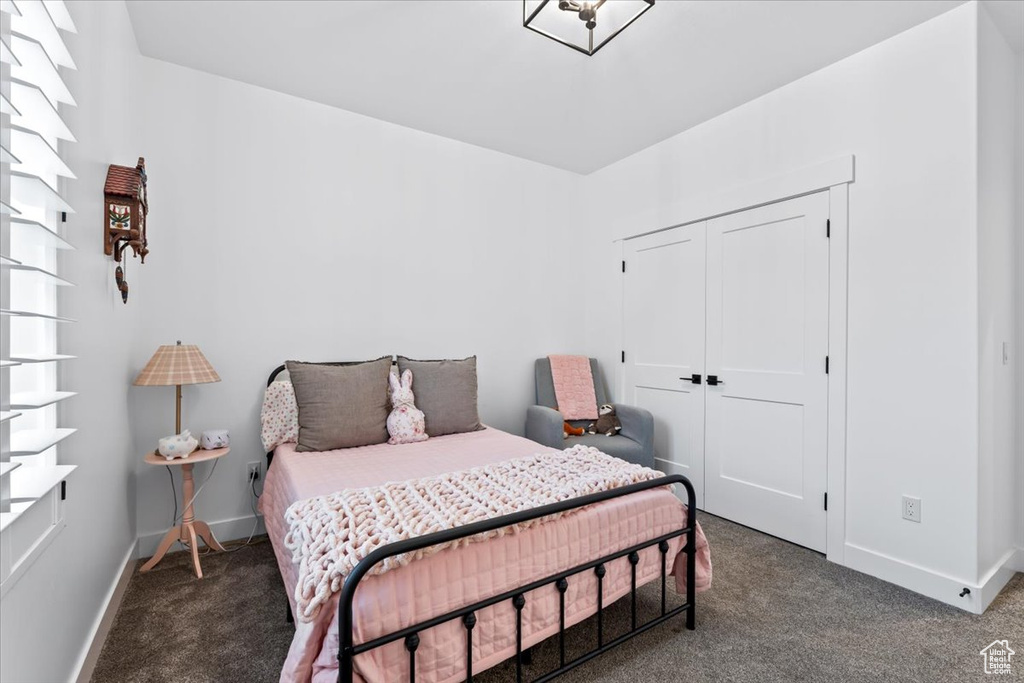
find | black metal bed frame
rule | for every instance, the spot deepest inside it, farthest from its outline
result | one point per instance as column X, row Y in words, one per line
column 560, row 582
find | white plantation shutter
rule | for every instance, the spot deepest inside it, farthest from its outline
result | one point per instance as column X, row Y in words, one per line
column 33, row 56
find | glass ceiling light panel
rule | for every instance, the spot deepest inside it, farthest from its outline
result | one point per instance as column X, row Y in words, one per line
column 583, row 26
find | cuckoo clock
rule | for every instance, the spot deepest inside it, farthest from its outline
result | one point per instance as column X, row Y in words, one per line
column 124, row 224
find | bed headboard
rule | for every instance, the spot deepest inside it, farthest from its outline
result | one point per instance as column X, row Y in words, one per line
column 277, row 371
column 281, row 368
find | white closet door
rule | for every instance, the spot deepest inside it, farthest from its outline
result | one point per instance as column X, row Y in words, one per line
column 767, row 339
column 664, row 344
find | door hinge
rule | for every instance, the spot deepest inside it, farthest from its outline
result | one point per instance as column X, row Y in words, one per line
column 64, row 490
column 828, row 227
column 623, row 266
column 826, row 500
column 623, row 356
column 826, row 365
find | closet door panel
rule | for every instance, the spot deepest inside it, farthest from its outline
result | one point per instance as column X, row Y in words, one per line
column 767, row 339
column 664, row 343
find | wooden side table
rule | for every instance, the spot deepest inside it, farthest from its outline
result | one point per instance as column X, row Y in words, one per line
column 190, row 527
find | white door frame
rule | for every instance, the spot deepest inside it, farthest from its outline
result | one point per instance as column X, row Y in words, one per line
column 833, row 175
column 837, row 304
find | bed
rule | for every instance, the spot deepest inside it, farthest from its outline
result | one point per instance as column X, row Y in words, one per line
column 464, row 609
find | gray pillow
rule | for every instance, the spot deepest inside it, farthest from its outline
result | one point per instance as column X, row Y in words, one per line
column 341, row 406
column 445, row 391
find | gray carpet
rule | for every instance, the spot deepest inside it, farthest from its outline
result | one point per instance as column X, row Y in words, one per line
column 775, row 612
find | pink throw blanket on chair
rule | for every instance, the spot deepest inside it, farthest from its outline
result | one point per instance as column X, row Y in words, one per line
column 574, row 387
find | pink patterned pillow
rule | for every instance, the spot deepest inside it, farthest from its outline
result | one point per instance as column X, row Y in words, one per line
column 279, row 417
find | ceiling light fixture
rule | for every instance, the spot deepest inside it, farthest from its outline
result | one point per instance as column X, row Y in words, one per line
column 584, row 26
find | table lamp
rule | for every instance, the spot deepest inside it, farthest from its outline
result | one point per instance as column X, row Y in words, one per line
column 174, row 366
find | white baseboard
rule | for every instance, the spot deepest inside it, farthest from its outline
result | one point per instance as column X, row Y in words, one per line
column 101, row 627
column 225, row 530
column 1016, row 562
column 932, row 584
column 996, row 578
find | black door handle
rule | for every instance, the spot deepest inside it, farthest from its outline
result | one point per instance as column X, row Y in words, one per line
column 713, row 381
column 695, row 378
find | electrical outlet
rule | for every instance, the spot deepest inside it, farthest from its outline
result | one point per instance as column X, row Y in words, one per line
column 253, row 471
column 912, row 509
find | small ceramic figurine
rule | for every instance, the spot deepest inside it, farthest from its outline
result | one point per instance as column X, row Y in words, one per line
column 215, row 438
column 177, row 446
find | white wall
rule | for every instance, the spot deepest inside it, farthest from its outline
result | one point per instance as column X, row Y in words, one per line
column 1019, row 306
column 1018, row 357
column 285, row 229
column 906, row 108
column 48, row 617
column 998, row 408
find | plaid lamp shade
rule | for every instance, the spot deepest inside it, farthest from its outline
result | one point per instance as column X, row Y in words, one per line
column 178, row 364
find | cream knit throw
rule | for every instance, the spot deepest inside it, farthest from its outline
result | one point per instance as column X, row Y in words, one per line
column 329, row 535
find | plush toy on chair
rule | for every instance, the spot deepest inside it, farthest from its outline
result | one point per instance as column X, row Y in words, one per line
column 568, row 430
column 406, row 423
column 607, row 423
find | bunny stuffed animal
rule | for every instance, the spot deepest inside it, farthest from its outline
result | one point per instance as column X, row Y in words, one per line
column 406, row 423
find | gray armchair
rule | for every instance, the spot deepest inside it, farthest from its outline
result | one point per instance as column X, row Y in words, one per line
column 634, row 443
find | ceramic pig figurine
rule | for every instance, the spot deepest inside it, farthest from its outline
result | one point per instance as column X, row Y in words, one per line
column 177, row 446
column 214, row 438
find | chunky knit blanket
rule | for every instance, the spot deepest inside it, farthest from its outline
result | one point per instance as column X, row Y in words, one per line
column 329, row 535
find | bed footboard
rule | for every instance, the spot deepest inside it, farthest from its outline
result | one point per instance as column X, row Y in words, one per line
column 467, row 614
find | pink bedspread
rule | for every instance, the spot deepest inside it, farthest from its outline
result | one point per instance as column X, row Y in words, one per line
column 456, row 577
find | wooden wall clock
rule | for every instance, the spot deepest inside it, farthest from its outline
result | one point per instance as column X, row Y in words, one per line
column 126, row 206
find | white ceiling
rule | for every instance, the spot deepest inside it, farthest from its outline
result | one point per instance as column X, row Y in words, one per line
column 468, row 70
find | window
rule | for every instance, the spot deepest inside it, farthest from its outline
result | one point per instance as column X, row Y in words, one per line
column 32, row 135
